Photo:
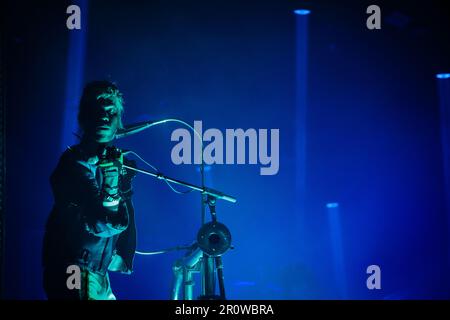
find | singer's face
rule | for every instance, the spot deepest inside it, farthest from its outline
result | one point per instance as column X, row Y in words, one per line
column 105, row 121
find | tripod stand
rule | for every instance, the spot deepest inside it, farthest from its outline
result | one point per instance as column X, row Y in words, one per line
column 213, row 240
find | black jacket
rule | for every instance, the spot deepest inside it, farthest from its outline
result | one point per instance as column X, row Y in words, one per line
column 79, row 229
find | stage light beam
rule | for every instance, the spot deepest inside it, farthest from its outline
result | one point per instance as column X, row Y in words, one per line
column 443, row 75
column 302, row 12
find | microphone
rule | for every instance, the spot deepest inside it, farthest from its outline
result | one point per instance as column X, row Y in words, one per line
column 134, row 128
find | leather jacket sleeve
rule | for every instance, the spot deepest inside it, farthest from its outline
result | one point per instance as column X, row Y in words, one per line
column 75, row 184
column 126, row 243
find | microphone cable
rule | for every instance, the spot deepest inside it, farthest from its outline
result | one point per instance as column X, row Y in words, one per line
column 156, row 170
column 169, row 184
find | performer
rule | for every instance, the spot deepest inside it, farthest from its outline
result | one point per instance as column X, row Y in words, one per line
column 91, row 225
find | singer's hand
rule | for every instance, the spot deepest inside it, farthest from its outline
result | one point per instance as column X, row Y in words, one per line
column 110, row 164
column 111, row 156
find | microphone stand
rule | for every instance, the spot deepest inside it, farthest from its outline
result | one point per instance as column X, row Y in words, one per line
column 204, row 190
column 209, row 262
column 185, row 267
column 209, row 197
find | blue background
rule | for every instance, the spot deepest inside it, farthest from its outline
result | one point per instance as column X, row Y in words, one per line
column 372, row 138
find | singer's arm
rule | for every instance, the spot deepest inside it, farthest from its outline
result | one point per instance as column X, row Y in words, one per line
column 74, row 184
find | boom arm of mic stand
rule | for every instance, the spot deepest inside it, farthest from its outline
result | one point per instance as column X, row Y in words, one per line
column 208, row 191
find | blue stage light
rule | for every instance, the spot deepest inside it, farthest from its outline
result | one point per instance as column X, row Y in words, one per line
column 443, row 75
column 332, row 205
column 302, row 11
